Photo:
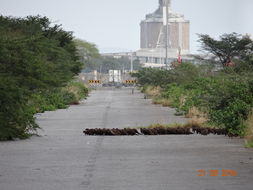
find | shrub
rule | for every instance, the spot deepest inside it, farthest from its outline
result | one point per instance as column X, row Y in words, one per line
column 51, row 100
column 224, row 97
column 249, row 130
column 165, row 102
column 184, row 73
column 232, row 116
column 79, row 90
column 59, row 98
column 16, row 117
column 35, row 57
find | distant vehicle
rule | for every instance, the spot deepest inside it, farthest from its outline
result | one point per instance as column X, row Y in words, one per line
column 115, row 76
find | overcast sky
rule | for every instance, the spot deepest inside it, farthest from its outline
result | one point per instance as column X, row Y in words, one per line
column 115, row 23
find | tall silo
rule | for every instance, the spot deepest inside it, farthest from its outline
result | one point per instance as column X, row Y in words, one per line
column 153, row 31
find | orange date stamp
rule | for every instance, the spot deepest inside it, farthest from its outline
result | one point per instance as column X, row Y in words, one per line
column 214, row 173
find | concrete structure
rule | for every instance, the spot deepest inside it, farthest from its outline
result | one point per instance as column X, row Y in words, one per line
column 153, row 35
column 119, row 55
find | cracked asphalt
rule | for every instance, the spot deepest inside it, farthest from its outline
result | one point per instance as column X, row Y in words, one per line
column 63, row 158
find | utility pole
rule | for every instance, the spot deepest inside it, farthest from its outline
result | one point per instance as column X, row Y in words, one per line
column 131, row 69
column 167, row 32
column 100, row 70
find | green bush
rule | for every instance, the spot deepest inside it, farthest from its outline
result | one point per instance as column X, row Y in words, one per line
column 160, row 77
column 222, row 86
column 174, row 92
column 58, row 98
column 232, row 116
column 48, row 101
column 225, row 96
column 35, row 57
column 16, row 117
column 79, row 90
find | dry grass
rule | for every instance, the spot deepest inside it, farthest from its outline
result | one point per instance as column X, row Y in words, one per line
column 189, row 124
column 249, row 131
column 182, row 100
column 194, row 112
column 73, row 89
column 165, row 102
column 153, row 91
column 165, row 125
column 157, row 100
column 197, row 122
column 197, row 116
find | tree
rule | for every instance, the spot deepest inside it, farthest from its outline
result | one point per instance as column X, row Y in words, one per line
column 35, row 57
column 87, row 52
column 228, row 47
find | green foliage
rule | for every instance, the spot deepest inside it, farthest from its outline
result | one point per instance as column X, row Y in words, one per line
column 160, row 77
column 87, row 49
column 35, row 57
column 153, row 77
column 16, row 118
column 249, row 130
column 58, row 98
column 51, row 100
column 173, row 92
column 232, row 116
column 79, row 90
column 92, row 60
column 228, row 47
column 226, row 97
column 87, row 52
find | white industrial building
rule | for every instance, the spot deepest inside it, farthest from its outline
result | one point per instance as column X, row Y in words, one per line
column 154, row 41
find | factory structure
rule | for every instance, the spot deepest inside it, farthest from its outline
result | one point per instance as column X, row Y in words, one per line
column 164, row 34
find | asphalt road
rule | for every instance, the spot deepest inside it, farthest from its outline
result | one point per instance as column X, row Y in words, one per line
column 62, row 158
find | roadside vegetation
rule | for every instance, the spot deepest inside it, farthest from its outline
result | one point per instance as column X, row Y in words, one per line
column 249, row 131
column 216, row 92
column 93, row 60
column 59, row 98
column 38, row 65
